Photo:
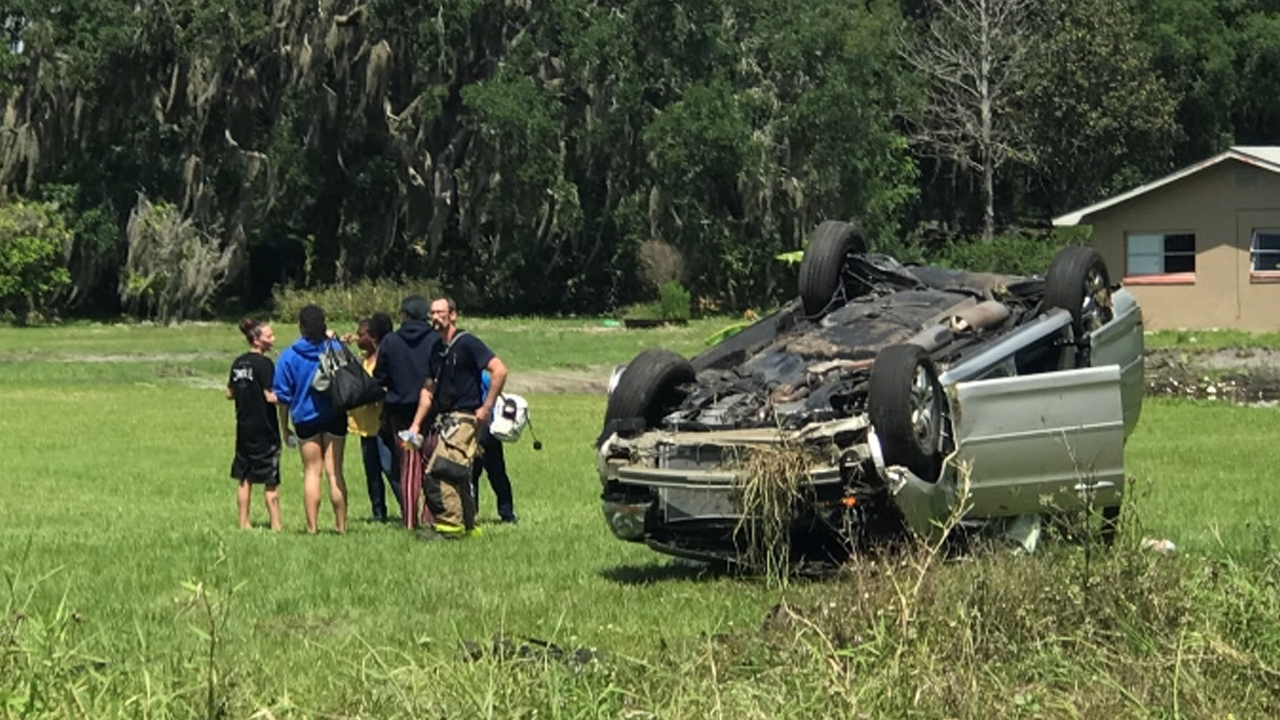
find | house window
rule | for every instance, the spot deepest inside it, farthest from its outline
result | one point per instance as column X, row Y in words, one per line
column 1264, row 252
column 1161, row 254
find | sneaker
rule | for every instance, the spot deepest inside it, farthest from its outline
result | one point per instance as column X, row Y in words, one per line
column 427, row 534
column 450, row 531
column 511, row 519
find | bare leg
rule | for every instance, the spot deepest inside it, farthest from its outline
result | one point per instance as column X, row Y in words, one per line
column 272, row 496
column 242, row 500
column 334, row 446
column 312, row 464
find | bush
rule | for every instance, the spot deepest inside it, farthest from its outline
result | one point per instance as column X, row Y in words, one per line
column 642, row 311
column 174, row 267
column 673, row 301
column 1013, row 255
column 34, row 241
column 351, row 302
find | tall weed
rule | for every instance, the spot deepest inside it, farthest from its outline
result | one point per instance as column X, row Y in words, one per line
column 1137, row 634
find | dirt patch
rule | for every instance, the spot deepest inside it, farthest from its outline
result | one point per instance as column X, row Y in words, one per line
column 1243, row 375
column 589, row 380
column 176, row 357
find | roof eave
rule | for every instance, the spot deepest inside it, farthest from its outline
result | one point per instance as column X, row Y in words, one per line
column 1241, row 154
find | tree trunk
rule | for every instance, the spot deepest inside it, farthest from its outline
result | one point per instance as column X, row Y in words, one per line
column 987, row 139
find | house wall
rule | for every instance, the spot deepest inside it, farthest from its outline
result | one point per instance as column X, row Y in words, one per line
column 1221, row 205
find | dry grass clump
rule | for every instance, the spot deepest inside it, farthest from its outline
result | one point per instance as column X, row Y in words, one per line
column 1127, row 633
column 770, row 487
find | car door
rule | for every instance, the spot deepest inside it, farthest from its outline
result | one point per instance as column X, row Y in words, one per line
column 1036, row 443
column 1120, row 342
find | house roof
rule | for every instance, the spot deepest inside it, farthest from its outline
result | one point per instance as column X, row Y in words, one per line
column 1266, row 157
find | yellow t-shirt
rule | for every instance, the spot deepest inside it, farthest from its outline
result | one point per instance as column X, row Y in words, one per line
column 366, row 419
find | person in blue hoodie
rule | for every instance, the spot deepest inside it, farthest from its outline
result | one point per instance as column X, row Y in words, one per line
column 321, row 430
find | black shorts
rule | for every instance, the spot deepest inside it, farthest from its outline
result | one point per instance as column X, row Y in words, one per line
column 261, row 467
column 335, row 427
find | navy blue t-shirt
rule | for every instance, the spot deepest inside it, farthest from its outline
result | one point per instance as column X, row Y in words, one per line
column 456, row 369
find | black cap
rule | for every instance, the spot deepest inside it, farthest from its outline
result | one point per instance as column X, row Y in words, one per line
column 416, row 307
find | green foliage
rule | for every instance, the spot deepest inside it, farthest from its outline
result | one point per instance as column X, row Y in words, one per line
column 351, row 302
column 96, row 241
column 341, row 141
column 674, row 301
column 643, row 311
column 1197, row 51
column 1102, row 118
column 34, row 242
column 1011, row 254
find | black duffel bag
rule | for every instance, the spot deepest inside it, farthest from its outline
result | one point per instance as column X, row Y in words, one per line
column 343, row 379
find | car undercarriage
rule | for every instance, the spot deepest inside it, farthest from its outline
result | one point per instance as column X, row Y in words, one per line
column 896, row 393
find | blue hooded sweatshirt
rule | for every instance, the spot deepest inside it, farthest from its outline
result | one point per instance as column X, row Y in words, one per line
column 292, row 383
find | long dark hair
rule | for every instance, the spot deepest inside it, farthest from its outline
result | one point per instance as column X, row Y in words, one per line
column 311, row 323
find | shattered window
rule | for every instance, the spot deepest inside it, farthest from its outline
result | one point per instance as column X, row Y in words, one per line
column 1264, row 252
column 1160, row 253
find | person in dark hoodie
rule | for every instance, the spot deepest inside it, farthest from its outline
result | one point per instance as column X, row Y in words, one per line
column 321, row 429
column 404, row 360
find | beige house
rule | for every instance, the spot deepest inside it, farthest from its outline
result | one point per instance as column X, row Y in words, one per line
column 1199, row 248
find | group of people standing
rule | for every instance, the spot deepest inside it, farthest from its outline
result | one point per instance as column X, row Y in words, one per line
column 429, row 433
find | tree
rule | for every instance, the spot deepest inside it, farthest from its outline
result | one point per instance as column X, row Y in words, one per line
column 519, row 153
column 33, row 243
column 1256, row 114
column 1101, row 118
column 174, row 267
column 1195, row 48
column 973, row 56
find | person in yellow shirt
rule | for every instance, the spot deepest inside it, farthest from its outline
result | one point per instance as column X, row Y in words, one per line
column 365, row 422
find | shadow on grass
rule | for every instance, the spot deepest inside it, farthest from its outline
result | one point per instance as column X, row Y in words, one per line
column 655, row 572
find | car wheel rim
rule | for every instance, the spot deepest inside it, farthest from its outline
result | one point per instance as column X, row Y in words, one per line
column 923, row 407
column 1095, row 309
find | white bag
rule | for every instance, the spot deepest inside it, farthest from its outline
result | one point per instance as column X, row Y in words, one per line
column 510, row 416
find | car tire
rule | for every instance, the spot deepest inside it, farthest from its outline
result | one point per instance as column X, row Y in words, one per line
column 906, row 403
column 649, row 388
column 823, row 263
column 1078, row 282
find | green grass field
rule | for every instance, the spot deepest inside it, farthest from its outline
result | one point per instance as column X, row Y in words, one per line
column 130, row 592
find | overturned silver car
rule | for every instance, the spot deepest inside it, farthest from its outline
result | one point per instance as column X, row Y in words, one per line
column 907, row 391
